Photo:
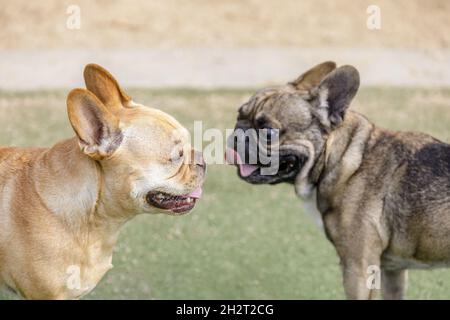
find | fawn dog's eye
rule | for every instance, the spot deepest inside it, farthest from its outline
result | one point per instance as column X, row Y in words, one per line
column 176, row 155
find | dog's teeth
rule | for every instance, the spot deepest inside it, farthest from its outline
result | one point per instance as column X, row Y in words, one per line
column 189, row 200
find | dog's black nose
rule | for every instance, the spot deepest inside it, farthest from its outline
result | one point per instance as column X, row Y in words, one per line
column 243, row 125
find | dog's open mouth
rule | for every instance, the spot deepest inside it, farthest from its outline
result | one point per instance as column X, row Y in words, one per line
column 245, row 170
column 288, row 168
column 174, row 203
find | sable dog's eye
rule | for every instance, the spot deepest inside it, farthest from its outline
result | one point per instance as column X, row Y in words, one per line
column 271, row 133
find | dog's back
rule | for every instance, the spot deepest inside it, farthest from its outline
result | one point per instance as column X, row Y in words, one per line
column 427, row 177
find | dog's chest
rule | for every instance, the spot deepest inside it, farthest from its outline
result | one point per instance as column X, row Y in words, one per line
column 85, row 269
column 98, row 262
column 82, row 279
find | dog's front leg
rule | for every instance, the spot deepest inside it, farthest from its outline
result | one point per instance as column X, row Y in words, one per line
column 360, row 260
column 360, row 282
column 393, row 284
column 359, row 250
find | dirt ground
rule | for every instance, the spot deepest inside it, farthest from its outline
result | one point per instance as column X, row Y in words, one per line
column 235, row 23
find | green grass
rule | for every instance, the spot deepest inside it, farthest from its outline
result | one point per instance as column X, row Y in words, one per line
column 242, row 241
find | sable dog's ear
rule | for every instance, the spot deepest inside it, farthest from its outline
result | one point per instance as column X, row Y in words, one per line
column 312, row 78
column 96, row 126
column 102, row 84
column 334, row 94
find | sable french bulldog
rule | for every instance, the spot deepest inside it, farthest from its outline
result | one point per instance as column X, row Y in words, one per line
column 383, row 196
column 61, row 208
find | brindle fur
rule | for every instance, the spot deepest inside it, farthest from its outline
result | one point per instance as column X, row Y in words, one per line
column 384, row 196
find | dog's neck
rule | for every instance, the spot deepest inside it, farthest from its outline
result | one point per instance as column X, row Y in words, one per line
column 78, row 204
column 340, row 143
column 336, row 151
column 341, row 156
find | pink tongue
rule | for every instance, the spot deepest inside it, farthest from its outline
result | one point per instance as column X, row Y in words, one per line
column 197, row 193
column 232, row 157
column 247, row 169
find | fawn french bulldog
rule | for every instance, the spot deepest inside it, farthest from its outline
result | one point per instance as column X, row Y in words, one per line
column 61, row 208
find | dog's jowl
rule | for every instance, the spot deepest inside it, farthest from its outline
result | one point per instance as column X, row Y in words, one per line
column 62, row 207
column 384, row 196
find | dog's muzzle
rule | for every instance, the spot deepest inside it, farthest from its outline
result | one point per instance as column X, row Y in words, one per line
column 173, row 203
column 289, row 165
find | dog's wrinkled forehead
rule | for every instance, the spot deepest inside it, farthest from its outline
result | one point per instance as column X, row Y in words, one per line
column 153, row 131
column 277, row 107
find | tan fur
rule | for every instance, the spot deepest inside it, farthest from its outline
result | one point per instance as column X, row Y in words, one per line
column 63, row 207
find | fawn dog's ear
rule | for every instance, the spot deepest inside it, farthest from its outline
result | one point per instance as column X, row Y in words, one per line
column 96, row 126
column 311, row 78
column 105, row 87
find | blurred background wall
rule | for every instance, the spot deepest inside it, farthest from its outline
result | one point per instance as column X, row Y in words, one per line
column 235, row 43
column 241, row 242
